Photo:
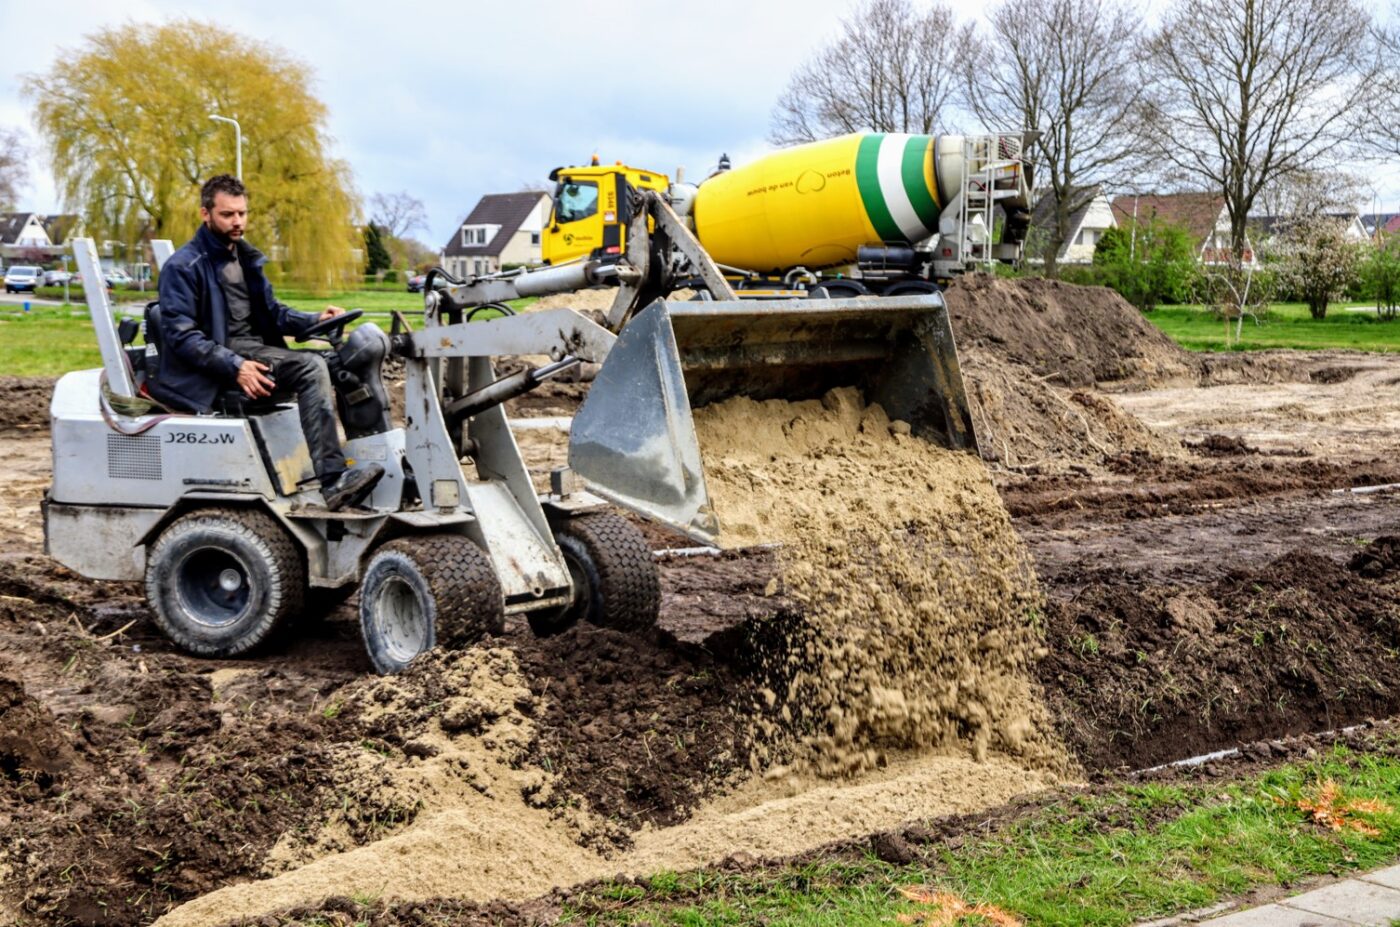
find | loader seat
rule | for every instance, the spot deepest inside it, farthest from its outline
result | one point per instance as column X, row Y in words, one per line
column 230, row 402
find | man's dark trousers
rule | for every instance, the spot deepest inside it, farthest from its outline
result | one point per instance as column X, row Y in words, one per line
column 304, row 373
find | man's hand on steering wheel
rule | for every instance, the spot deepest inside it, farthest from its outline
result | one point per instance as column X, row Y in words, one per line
column 333, row 318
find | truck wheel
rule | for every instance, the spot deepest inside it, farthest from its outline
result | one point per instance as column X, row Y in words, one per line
column 221, row 580
column 614, row 576
column 422, row 592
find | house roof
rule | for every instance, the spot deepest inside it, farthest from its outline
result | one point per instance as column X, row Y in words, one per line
column 1043, row 216
column 1268, row 225
column 11, row 224
column 1197, row 213
column 508, row 210
column 59, row 226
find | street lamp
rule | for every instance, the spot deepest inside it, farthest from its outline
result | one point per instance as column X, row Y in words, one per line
column 237, row 143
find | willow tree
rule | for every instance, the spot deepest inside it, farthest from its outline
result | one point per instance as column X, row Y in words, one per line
column 126, row 120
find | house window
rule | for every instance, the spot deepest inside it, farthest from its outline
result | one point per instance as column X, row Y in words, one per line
column 534, row 238
column 473, row 235
column 476, row 264
column 1087, row 237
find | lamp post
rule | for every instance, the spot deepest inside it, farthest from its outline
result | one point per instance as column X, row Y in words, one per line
column 237, row 143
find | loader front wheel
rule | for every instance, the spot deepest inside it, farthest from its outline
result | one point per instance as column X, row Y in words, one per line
column 427, row 591
column 220, row 581
column 613, row 573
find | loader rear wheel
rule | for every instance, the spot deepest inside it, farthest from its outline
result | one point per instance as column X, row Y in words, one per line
column 427, row 591
column 220, row 581
column 614, row 576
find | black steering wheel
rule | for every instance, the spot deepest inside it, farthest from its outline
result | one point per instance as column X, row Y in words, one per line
column 328, row 325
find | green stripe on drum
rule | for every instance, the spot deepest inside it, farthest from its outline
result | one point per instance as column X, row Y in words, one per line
column 916, row 183
column 868, row 183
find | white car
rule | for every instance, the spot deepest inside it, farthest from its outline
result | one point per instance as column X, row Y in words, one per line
column 23, row 277
column 118, row 277
column 56, row 277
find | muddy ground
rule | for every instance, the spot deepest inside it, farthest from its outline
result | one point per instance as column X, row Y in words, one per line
column 1212, row 579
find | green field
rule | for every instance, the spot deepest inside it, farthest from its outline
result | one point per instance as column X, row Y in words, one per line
column 1105, row 859
column 1285, row 325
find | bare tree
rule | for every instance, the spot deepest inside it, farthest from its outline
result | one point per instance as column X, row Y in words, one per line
column 14, row 169
column 397, row 213
column 893, row 69
column 1245, row 92
column 1063, row 67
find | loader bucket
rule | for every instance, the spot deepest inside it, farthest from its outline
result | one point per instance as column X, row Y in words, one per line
column 633, row 439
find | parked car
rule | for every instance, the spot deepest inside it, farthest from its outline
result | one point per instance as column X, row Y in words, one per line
column 77, row 280
column 23, row 277
column 416, row 282
column 118, row 277
column 57, row 277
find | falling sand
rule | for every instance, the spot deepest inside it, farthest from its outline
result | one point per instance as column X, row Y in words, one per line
column 918, row 603
column 898, row 693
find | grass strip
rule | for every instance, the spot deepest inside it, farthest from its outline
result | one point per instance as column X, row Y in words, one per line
column 1285, row 325
column 1098, row 859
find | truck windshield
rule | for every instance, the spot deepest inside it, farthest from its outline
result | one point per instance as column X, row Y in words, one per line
column 578, row 199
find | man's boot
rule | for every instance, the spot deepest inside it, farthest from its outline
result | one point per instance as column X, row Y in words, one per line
column 352, row 486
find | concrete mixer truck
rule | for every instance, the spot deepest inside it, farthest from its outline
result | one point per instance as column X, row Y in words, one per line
column 863, row 213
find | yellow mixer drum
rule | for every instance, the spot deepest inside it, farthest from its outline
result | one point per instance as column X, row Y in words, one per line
column 814, row 205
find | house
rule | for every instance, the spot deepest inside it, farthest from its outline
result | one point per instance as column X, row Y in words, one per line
column 33, row 237
column 1087, row 223
column 1202, row 215
column 503, row 228
column 1268, row 226
column 1381, row 223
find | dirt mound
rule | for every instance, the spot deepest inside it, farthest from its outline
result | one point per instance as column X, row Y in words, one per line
column 33, row 753
column 1023, row 421
column 1380, row 558
column 1141, row 673
column 26, row 402
column 1075, row 336
column 913, row 591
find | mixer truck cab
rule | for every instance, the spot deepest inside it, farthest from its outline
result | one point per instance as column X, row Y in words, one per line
column 592, row 209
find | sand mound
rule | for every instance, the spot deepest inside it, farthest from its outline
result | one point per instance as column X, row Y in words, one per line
column 1073, row 335
column 917, row 599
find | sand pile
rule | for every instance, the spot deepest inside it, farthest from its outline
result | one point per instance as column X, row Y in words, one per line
column 918, row 602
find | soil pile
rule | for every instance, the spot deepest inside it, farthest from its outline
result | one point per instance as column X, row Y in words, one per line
column 914, row 623
column 1076, row 336
column 1024, row 422
column 26, row 404
column 1143, row 672
column 1032, row 350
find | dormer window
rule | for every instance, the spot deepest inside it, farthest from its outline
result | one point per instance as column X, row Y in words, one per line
column 476, row 235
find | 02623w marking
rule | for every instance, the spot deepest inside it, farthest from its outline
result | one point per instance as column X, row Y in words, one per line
column 197, row 437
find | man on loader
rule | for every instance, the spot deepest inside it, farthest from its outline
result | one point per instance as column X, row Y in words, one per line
column 221, row 328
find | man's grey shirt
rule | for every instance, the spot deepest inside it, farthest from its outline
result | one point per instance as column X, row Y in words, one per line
column 240, row 306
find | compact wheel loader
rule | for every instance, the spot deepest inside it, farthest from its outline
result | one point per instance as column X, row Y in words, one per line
column 219, row 514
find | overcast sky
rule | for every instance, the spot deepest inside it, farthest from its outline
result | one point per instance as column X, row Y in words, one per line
column 450, row 100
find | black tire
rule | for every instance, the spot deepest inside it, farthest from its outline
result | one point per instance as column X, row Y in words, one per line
column 838, row 289
column 614, row 574
column 220, row 581
column 427, row 591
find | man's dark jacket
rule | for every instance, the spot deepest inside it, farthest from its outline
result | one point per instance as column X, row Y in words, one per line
column 195, row 362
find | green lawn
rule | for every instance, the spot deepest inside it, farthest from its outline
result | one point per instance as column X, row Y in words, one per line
column 1106, row 860
column 1286, row 325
